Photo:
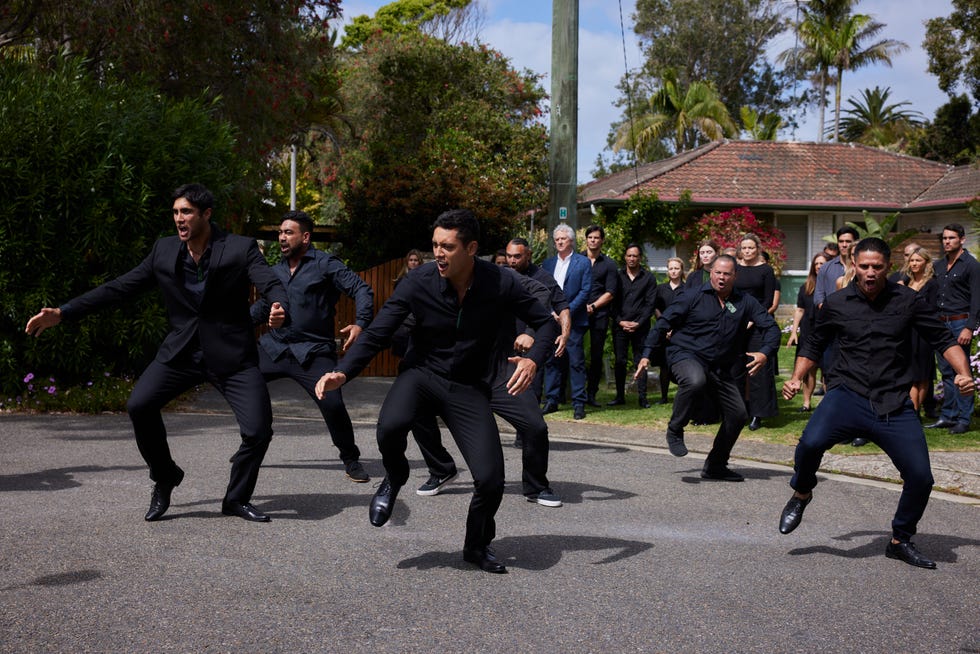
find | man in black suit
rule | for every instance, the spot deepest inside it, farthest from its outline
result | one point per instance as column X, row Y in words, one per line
column 205, row 276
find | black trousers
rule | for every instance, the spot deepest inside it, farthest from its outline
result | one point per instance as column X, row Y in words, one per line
column 466, row 411
column 598, row 328
column 521, row 412
column 246, row 394
column 332, row 406
column 623, row 342
column 693, row 379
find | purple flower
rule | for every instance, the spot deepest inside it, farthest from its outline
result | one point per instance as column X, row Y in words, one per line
column 30, row 387
column 29, row 377
column 52, row 390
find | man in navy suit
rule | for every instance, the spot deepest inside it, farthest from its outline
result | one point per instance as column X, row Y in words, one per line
column 573, row 272
column 205, row 276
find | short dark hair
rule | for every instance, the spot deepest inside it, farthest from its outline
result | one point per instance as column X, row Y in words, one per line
column 726, row 257
column 520, row 241
column 847, row 229
column 955, row 227
column 872, row 244
column 830, row 247
column 595, row 228
column 500, row 253
column 301, row 217
column 633, row 245
column 197, row 195
column 463, row 221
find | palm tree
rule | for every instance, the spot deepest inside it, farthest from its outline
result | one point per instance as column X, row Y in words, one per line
column 845, row 42
column 694, row 115
column 760, row 128
column 832, row 38
column 872, row 121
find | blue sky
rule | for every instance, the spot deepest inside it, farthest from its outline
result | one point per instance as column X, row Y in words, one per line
column 521, row 30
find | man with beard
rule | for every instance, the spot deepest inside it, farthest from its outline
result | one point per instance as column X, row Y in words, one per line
column 205, row 276
column 868, row 392
column 304, row 348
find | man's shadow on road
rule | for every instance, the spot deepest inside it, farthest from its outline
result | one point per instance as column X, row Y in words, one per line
column 53, row 480
column 539, row 552
column 938, row 547
column 297, row 506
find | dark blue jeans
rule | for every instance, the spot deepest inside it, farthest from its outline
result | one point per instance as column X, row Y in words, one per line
column 956, row 407
column 843, row 414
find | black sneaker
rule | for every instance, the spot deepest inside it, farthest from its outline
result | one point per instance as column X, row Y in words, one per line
column 356, row 472
column 722, row 473
column 435, row 484
column 547, row 497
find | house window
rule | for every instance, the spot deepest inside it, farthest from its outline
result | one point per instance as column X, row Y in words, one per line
column 796, row 227
column 657, row 257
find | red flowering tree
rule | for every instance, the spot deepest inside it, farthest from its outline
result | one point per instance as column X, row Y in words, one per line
column 727, row 228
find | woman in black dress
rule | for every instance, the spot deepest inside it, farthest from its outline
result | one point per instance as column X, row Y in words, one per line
column 756, row 278
column 664, row 295
column 920, row 277
column 804, row 319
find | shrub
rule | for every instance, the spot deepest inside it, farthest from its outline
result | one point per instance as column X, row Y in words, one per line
column 86, row 174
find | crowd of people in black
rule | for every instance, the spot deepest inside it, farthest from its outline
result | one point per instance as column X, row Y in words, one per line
column 477, row 339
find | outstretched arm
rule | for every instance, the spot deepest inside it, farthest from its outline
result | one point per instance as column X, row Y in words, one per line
column 48, row 317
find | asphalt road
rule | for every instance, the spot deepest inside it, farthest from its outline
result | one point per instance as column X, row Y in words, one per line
column 643, row 557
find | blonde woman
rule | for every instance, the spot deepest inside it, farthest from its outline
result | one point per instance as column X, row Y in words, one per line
column 921, row 278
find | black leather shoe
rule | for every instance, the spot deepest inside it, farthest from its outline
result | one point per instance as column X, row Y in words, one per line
column 723, row 473
column 859, row 442
column 959, row 428
column 906, row 551
column 485, row 560
column 755, row 423
column 245, row 511
column 579, row 412
column 592, row 401
column 663, row 400
column 616, row 401
column 792, row 514
column 676, row 445
column 550, row 407
column 643, row 403
column 160, row 500
column 941, row 424
column 382, row 503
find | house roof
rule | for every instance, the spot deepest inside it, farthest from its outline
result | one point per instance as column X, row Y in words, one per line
column 784, row 174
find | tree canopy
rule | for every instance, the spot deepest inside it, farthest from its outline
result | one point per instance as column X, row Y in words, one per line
column 438, row 126
column 261, row 59
column 953, row 46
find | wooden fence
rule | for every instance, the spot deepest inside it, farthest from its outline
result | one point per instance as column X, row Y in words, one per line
column 381, row 279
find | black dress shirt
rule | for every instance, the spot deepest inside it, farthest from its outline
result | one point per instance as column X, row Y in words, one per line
column 706, row 330
column 874, row 338
column 605, row 279
column 664, row 296
column 636, row 299
column 313, row 291
column 455, row 341
column 959, row 289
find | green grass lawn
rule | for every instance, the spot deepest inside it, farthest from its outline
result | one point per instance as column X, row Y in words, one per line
column 783, row 429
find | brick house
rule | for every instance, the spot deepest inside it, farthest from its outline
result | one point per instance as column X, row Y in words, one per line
column 807, row 190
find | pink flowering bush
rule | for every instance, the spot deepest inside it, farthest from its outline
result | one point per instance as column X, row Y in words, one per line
column 727, row 228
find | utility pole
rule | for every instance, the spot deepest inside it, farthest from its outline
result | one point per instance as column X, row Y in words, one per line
column 563, row 166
